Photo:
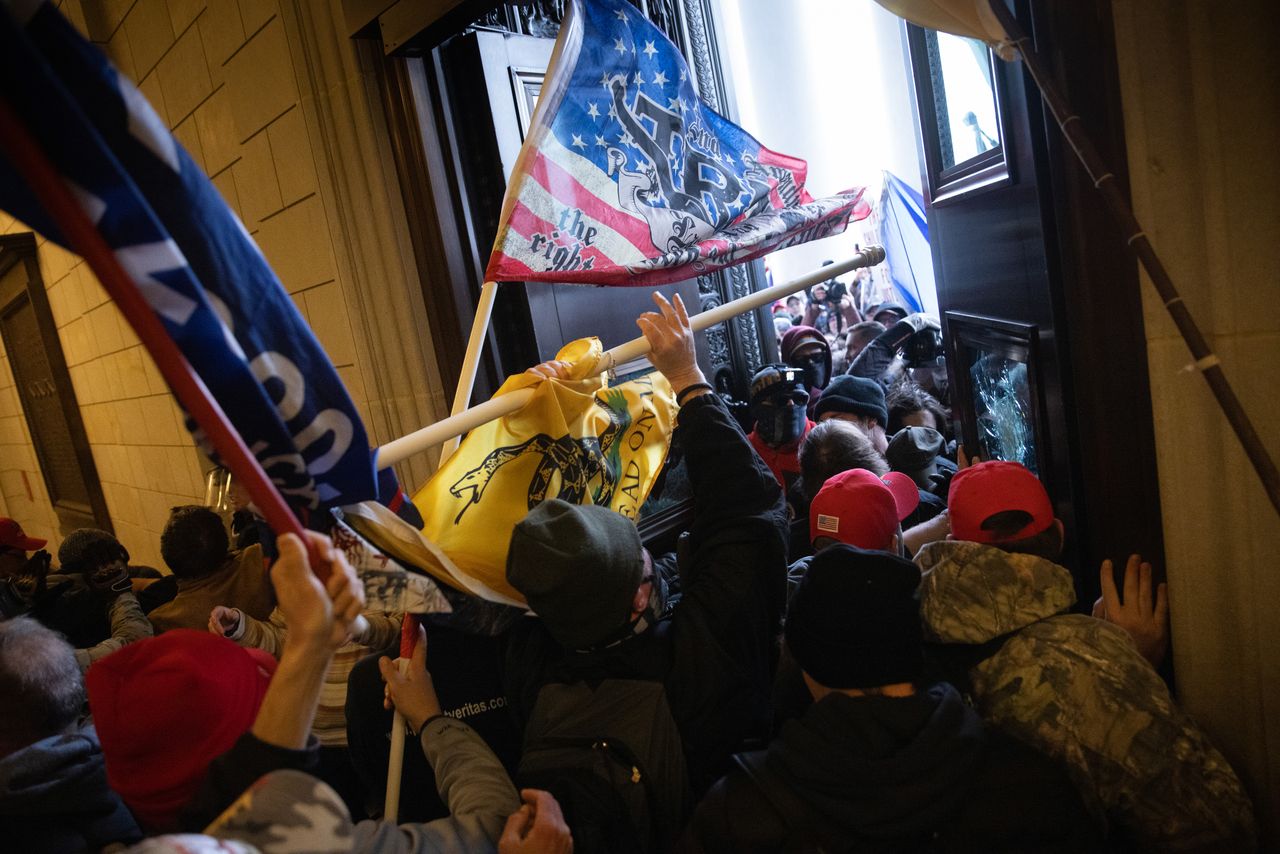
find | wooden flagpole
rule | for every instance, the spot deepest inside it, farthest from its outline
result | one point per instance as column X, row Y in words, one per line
column 448, row 428
column 1105, row 183
column 408, row 628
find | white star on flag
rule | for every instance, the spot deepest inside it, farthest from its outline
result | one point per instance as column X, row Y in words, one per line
column 604, row 80
column 592, row 111
column 577, row 142
column 660, row 79
column 682, row 75
column 613, row 112
column 627, row 139
column 622, row 16
column 600, row 140
column 619, row 46
column 728, row 158
column 673, row 104
column 649, row 49
column 638, row 79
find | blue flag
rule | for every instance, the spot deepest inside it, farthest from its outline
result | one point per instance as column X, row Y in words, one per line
column 189, row 255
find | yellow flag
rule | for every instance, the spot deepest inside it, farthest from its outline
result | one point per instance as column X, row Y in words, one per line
column 578, row 440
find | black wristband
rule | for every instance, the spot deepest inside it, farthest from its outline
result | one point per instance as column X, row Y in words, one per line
column 694, row 387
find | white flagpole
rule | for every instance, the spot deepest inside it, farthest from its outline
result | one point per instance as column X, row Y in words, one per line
column 455, row 425
column 471, row 362
column 461, row 398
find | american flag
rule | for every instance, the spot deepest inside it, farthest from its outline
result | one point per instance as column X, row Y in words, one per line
column 627, row 178
column 191, row 258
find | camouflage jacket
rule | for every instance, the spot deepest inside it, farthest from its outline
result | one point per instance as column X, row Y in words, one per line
column 1077, row 689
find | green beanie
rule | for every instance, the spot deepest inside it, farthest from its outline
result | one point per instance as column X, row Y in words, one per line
column 578, row 567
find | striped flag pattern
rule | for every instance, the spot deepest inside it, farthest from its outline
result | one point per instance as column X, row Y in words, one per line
column 627, row 178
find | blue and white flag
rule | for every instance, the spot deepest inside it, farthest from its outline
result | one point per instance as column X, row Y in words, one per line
column 189, row 255
column 904, row 233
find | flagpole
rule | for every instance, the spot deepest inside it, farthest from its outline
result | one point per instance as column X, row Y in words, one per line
column 408, row 627
column 455, row 425
column 471, row 362
column 43, row 179
column 1104, row 181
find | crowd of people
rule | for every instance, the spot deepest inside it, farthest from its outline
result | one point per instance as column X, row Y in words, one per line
column 864, row 642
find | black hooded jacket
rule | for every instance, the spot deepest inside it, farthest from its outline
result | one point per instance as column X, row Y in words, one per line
column 917, row 773
column 54, row 798
column 716, row 652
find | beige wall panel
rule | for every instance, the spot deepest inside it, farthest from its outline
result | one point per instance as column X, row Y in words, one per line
column 260, row 80
column 1202, row 133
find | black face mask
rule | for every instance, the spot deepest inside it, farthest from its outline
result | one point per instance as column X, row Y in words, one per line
column 815, row 369
column 781, row 422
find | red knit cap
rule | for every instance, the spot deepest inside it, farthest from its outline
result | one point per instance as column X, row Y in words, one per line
column 983, row 490
column 166, row 707
column 860, row 509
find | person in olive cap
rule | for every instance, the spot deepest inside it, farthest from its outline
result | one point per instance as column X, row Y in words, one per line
column 880, row 761
column 601, row 597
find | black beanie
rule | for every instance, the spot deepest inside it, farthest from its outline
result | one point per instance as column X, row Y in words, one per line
column 87, row 549
column 578, row 567
column 913, row 448
column 857, row 395
column 854, row 622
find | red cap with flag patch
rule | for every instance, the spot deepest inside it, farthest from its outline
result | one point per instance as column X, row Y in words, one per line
column 983, row 490
column 861, row 509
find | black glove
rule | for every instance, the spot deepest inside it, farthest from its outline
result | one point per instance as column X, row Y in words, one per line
column 111, row 580
column 30, row 582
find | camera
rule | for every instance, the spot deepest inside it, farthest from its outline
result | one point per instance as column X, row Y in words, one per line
column 923, row 348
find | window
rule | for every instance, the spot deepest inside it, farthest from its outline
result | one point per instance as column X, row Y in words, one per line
column 958, row 96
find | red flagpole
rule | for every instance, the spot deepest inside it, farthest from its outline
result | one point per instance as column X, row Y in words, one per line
column 25, row 154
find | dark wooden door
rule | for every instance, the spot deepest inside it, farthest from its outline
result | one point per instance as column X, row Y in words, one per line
column 1018, row 243
column 45, row 391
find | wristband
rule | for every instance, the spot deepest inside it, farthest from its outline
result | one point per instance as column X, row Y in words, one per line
column 694, row 387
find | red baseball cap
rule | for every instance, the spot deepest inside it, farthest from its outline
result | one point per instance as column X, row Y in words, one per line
column 166, row 707
column 983, row 490
column 861, row 509
column 12, row 536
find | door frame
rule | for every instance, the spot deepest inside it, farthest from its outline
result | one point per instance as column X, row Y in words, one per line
column 21, row 249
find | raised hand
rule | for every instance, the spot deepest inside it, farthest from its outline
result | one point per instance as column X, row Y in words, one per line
column 671, row 341
column 1145, row 618
column 224, row 621
column 412, row 693
column 316, row 614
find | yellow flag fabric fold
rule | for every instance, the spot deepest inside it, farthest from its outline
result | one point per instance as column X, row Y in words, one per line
column 578, row 439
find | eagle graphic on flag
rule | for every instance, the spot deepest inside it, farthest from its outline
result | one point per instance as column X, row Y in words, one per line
column 628, row 178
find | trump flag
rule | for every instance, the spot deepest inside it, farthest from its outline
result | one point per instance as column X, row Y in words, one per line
column 195, row 264
column 627, row 178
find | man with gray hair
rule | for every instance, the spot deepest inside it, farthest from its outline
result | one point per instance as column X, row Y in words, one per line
column 54, row 795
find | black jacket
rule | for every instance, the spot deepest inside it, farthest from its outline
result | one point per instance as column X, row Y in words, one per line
column 54, row 798
column 916, row 773
column 715, row 653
